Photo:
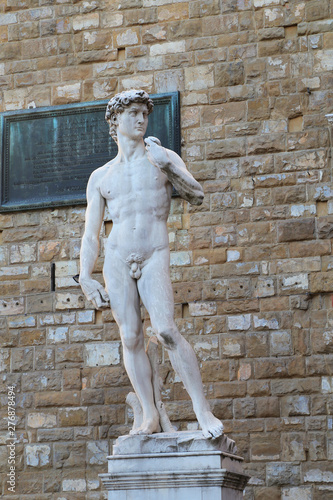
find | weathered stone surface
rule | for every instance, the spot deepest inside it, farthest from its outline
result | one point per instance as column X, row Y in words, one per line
column 38, row 455
column 251, row 267
column 229, row 74
column 283, row 474
column 296, row 230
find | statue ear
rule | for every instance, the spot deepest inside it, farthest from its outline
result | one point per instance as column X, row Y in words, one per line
column 115, row 119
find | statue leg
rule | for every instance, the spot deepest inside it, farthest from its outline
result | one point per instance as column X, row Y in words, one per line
column 156, row 293
column 125, row 306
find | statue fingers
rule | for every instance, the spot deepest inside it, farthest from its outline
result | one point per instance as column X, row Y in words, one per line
column 103, row 294
column 153, row 140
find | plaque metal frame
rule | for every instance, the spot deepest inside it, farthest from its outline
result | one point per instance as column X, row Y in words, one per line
column 23, row 125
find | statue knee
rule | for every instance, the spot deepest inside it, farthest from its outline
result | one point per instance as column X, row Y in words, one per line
column 131, row 339
column 167, row 337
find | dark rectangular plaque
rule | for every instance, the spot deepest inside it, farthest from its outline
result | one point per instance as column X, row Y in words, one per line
column 48, row 154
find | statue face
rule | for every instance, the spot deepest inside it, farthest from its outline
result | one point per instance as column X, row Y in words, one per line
column 133, row 121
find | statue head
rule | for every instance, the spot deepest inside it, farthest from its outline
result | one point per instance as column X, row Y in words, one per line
column 123, row 100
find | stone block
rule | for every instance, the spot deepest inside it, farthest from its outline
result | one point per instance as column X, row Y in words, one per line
column 141, row 16
column 84, row 334
column 225, row 148
column 22, row 359
column 71, row 378
column 321, row 282
column 270, row 322
column 102, row 354
column 281, row 343
column 322, row 340
column 69, row 455
column 258, row 144
column 61, row 94
column 75, row 485
column 92, row 396
column 104, row 414
column 86, row 317
column 54, row 250
column 4, row 360
column 21, row 321
column 228, row 74
column 38, row 455
column 31, row 337
column 69, row 301
column 244, row 408
column 69, row 355
column 283, row 474
column 317, row 446
column 207, row 348
column 202, row 308
column 44, row 358
column 48, row 381
column 295, row 406
column 35, row 286
column 232, row 347
column 63, row 398
column 302, row 229
column 327, row 385
column 180, row 258
column 294, row 283
column 51, row 435
column 297, row 493
column 57, row 335
column 69, row 417
column 215, row 370
column 154, row 34
column 295, row 386
column 265, row 447
column 97, row 452
column 293, row 447
column 279, row 368
column 167, row 48
column 23, row 252
column 256, row 345
column 41, row 420
column 200, row 77
column 240, row 322
column 85, row 22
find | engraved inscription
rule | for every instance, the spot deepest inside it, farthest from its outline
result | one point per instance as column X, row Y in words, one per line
column 48, row 154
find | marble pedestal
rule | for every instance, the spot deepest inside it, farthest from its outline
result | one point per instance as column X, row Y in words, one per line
column 174, row 466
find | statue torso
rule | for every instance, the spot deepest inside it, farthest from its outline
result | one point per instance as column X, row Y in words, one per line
column 138, row 197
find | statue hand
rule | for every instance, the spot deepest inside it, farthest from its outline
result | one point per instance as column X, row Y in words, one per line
column 156, row 153
column 95, row 293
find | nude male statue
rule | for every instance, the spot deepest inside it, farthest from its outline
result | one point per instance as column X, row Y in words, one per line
column 136, row 186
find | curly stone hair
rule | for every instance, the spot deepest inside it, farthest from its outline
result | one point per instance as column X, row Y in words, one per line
column 119, row 102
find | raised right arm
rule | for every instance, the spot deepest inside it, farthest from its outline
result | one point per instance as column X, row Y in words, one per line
column 90, row 244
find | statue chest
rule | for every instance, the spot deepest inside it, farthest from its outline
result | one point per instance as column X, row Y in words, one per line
column 133, row 179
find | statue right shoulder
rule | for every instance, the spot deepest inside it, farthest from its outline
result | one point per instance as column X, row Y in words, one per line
column 99, row 172
column 97, row 176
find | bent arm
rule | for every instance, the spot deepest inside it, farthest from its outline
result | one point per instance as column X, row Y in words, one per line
column 175, row 169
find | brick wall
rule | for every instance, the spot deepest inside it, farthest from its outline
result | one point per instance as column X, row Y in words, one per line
column 252, row 267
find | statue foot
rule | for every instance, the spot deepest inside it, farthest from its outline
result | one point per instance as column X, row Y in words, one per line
column 149, row 426
column 211, row 426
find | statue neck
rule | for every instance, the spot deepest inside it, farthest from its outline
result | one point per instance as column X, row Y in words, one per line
column 129, row 149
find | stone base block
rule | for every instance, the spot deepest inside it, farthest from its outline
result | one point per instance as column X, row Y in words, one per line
column 175, row 466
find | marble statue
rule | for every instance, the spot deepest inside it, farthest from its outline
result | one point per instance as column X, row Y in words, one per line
column 136, row 187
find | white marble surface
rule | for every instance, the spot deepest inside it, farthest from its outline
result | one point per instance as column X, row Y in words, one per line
column 136, row 188
column 177, row 466
column 177, row 442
